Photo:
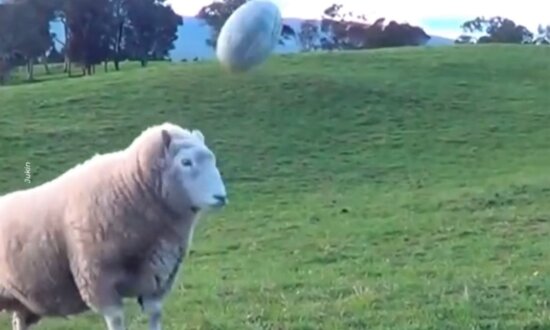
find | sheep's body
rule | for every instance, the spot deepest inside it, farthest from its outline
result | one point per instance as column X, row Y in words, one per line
column 97, row 234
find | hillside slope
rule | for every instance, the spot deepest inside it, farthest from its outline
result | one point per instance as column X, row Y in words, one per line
column 394, row 189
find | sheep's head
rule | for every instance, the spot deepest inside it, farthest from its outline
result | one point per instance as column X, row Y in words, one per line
column 191, row 177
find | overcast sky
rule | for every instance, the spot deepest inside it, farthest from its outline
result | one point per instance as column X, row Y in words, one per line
column 436, row 16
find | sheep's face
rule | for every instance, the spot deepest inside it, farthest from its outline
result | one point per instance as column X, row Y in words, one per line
column 192, row 174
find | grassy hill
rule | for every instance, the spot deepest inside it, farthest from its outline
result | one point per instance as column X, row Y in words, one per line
column 394, row 189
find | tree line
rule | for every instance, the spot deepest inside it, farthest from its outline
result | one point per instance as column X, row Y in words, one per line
column 96, row 31
column 338, row 29
column 499, row 29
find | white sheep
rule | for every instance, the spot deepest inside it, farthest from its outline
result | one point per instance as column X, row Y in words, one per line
column 116, row 226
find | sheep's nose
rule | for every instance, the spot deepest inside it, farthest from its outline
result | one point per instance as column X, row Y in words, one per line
column 221, row 199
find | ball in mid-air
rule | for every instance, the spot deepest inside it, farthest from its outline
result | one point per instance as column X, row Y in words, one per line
column 249, row 35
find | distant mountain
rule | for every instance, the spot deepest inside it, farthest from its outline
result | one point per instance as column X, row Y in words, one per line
column 440, row 41
column 194, row 32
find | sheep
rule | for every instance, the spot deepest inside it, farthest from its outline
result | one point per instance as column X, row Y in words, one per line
column 116, row 226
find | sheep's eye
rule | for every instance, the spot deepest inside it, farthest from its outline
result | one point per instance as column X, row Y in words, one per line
column 187, row 163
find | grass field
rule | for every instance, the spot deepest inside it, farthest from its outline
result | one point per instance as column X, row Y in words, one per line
column 395, row 189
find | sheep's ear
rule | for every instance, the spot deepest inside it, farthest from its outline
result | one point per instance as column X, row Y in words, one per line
column 166, row 139
column 198, row 134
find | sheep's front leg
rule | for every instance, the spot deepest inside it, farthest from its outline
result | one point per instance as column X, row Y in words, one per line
column 153, row 308
column 97, row 285
column 23, row 321
column 18, row 322
column 114, row 318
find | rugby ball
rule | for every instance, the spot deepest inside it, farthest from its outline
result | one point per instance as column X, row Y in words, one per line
column 249, row 35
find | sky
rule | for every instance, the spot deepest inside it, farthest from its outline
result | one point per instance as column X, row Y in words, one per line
column 441, row 17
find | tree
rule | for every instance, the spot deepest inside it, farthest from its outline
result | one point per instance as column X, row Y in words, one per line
column 498, row 30
column 216, row 14
column 95, row 31
column 5, row 69
column 7, row 35
column 336, row 26
column 117, row 24
column 309, row 35
column 24, row 31
column 346, row 30
column 151, row 31
column 6, row 42
column 99, row 28
column 114, row 17
column 88, row 22
column 60, row 8
column 398, row 35
column 47, row 11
